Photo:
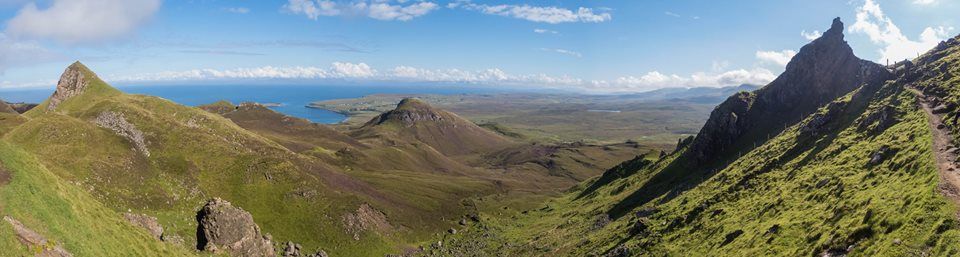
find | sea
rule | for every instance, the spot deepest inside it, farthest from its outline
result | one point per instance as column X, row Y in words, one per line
column 290, row 99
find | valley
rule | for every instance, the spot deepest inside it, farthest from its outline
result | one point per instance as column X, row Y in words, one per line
column 836, row 155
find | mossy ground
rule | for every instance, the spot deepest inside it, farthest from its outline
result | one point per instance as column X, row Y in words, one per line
column 66, row 215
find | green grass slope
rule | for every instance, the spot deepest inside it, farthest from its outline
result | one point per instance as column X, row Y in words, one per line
column 66, row 214
column 195, row 155
column 811, row 190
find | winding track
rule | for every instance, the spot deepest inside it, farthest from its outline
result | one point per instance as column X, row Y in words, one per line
column 944, row 151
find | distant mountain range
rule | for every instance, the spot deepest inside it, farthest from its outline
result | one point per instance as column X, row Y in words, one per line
column 694, row 94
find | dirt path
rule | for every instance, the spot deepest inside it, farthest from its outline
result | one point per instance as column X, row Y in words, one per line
column 944, row 150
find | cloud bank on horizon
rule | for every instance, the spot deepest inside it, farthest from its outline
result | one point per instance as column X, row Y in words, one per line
column 579, row 46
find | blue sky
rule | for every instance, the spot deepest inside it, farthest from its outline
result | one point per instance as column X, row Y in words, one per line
column 591, row 46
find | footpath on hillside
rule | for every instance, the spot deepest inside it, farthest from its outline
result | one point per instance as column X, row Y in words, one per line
column 943, row 149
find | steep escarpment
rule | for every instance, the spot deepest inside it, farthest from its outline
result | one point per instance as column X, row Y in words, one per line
column 820, row 72
column 444, row 131
column 853, row 176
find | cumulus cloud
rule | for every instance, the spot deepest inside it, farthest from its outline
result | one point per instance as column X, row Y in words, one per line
column 82, row 21
column 562, row 51
column 352, row 70
column 811, row 35
column 15, row 53
column 895, row 45
column 356, row 71
column 546, row 14
column 780, row 58
column 376, row 9
column 657, row 80
column 490, row 77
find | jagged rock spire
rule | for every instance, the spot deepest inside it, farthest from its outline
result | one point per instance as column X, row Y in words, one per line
column 820, row 72
column 74, row 80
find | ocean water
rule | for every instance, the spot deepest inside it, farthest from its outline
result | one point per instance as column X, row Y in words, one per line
column 292, row 99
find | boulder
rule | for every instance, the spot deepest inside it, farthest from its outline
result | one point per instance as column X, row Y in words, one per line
column 223, row 228
column 292, row 249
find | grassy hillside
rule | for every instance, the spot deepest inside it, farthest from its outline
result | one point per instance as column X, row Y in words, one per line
column 176, row 157
column 810, row 190
column 65, row 214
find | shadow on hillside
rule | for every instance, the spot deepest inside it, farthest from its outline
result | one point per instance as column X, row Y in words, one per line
column 671, row 180
column 626, row 169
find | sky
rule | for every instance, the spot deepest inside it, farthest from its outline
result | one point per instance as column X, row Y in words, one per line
column 596, row 46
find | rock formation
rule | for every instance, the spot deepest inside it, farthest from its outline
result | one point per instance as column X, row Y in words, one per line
column 119, row 125
column 36, row 241
column 148, row 223
column 292, row 249
column 72, row 82
column 822, row 71
column 364, row 219
column 223, row 228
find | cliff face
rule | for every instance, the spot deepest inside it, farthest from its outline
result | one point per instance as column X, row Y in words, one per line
column 822, row 71
column 72, row 82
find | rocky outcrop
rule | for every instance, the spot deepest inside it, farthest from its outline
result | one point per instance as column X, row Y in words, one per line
column 119, row 125
column 822, row 71
column 818, row 122
column 35, row 241
column 223, row 228
column 366, row 218
column 292, row 249
column 72, row 82
column 146, row 222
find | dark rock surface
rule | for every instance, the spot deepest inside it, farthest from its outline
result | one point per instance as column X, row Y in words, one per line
column 820, row 72
column 223, row 228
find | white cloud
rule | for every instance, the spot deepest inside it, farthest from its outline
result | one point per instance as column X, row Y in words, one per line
column 811, row 35
column 562, row 51
column 657, row 80
column 490, row 77
column 548, row 14
column 668, row 13
column 925, row 2
column 376, row 9
column 545, row 31
column 780, row 58
column 15, row 53
column 82, row 21
column 882, row 31
column 351, row 70
column 238, row 10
